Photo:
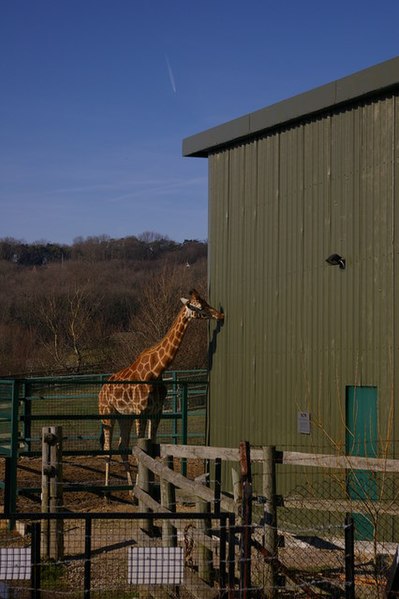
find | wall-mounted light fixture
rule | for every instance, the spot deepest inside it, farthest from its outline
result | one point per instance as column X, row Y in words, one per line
column 336, row 260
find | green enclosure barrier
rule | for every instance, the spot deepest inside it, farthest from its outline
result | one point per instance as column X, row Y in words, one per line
column 6, row 417
column 27, row 405
column 72, row 402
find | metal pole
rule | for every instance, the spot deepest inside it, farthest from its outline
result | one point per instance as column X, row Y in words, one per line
column 349, row 557
column 27, row 421
column 232, row 554
column 87, row 566
column 218, row 484
column 175, row 393
column 10, row 495
column 35, row 560
column 246, row 524
column 184, row 425
column 270, row 518
column 223, row 553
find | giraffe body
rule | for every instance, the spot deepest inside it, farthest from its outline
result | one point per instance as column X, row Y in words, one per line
column 142, row 393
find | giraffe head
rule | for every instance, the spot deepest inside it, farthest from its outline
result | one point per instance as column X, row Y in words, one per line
column 196, row 307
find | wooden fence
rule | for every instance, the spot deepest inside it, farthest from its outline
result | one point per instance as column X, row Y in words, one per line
column 240, row 504
column 269, row 458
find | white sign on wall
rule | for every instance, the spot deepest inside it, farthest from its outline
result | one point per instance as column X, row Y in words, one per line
column 304, row 423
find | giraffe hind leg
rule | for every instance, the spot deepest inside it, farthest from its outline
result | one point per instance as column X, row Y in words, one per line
column 153, row 426
column 160, row 393
column 141, row 425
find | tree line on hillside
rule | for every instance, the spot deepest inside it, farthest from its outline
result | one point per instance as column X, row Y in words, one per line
column 147, row 246
column 93, row 306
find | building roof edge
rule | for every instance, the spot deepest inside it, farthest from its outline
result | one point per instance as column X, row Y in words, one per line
column 370, row 81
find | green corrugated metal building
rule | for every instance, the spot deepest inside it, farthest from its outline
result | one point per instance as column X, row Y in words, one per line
column 309, row 351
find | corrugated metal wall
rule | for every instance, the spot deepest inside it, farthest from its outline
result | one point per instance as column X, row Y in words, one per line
column 298, row 331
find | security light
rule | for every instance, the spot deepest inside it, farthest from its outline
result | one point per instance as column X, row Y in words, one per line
column 336, row 260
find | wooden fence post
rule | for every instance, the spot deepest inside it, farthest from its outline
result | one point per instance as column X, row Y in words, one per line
column 168, row 501
column 205, row 555
column 144, row 482
column 246, row 517
column 270, row 519
column 52, row 492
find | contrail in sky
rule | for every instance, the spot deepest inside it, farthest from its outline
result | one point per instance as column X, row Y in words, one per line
column 171, row 77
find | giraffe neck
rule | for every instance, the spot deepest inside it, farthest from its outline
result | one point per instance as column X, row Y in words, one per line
column 152, row 362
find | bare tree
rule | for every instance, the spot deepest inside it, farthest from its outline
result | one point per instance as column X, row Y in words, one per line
column 67, row 322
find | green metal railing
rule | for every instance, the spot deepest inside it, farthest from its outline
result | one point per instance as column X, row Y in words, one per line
column 9, row 440
column 26, row 405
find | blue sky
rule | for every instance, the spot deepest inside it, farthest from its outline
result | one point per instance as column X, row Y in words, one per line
column 96, row 97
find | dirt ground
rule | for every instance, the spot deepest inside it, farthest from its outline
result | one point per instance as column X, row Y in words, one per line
column 86, row 472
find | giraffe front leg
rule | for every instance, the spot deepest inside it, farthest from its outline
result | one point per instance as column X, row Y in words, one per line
column 106, row 444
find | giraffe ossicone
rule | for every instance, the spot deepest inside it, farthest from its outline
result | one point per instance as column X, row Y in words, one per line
column 138, row 390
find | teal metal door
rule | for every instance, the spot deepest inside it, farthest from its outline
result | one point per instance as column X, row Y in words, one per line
column 362, row 440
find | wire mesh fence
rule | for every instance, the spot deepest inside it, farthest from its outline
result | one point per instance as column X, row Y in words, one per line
column 310, row 562
column 312, row 529
column 104, row 556
column 109, row 556
column 214, row 555
column 313, row 554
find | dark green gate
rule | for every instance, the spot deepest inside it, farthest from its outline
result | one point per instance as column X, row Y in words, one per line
column 10, row 441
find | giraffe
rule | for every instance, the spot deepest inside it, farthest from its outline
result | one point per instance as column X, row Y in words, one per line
column 146, row 400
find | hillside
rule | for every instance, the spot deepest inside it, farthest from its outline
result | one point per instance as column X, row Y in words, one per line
column 94, row 305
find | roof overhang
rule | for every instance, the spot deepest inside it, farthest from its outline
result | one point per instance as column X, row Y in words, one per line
column 374, row 80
